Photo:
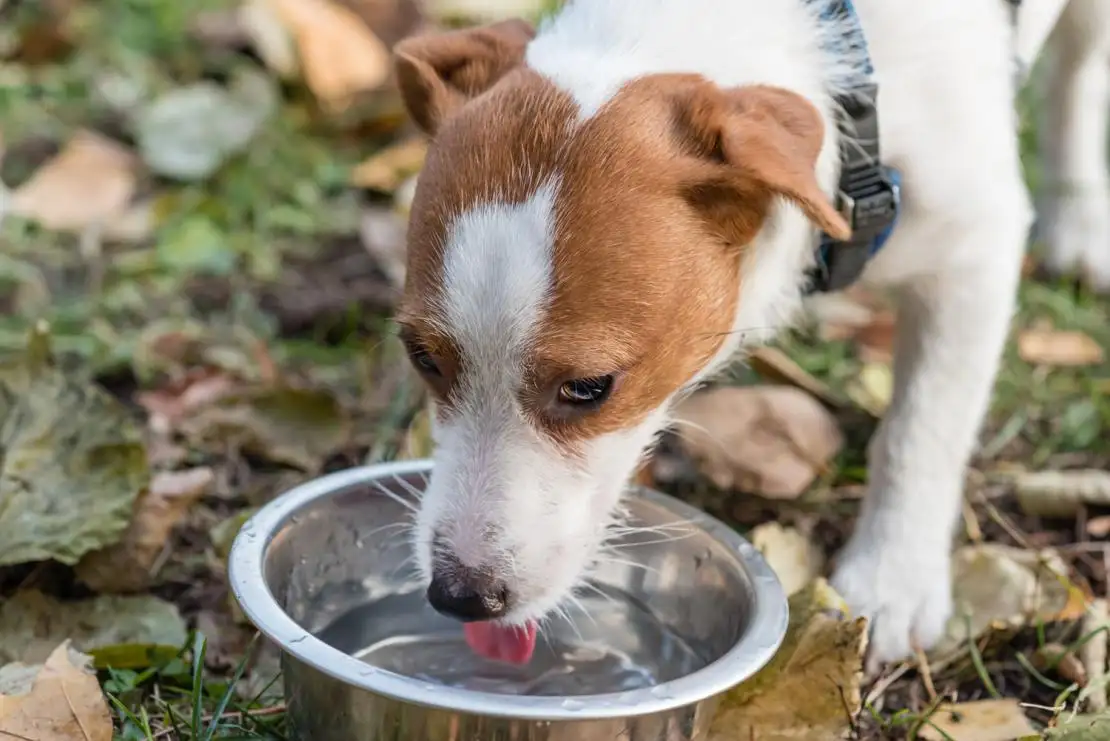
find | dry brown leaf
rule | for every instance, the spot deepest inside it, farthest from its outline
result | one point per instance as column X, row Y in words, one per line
column 390, row 167
column 875, row 340
column 768, row 440
column 339, row 55
column 88, row 183
column 126, row 566
column 383, row 231
column 1058, row 348
column 983, row 720
column 794, row 558
column 169, row 406
column 65, row 704
column 810, row 690
column 1059, row 659
column 1098, row 527
column 1061, row 493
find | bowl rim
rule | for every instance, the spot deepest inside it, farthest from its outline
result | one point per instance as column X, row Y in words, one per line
column 766, row 631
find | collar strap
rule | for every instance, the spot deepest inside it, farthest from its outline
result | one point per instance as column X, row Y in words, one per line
column 869, row 196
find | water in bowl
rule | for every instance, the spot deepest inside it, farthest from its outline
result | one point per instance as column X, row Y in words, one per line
column 609, row 643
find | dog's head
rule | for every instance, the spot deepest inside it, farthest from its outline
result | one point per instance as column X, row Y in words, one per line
column 568, row 275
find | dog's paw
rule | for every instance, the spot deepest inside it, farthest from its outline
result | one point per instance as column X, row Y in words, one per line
column 1075, row 229
column 903, row 590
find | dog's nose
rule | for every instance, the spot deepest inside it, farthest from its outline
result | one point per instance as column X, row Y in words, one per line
column 467, row 594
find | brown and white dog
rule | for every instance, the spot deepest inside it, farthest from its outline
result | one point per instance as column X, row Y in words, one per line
column 614, row 206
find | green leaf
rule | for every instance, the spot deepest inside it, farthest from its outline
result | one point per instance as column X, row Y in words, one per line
column 72, row 462
column 1082, row 728
column 33, row 624
column 298, row 427
column 197, row 245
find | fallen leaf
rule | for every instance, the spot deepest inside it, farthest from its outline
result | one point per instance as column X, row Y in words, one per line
column 223, row 534
column 73, row 463
column 1054, row 657
column 197, row 245
column 794, row 558
column 386, row 170
column 418, row 441
column 1061, row 493
column 1098, row 527
column 189, row 132
column 65, row 703
column 1081, row 728
column 169, row 406
column 32, row 623
column 486, row 10
column 768, row 440
column 89, row 183
column 776, row 366
column 270, row 38
column 997, row 587
column 810, row 690
column 126, row 566
column 983, row 720
column 133, row 655
column 1058, row 348
column 875, row 340
column 873, row 388
column 299, row 427
column 383, row 235
column 339, row 55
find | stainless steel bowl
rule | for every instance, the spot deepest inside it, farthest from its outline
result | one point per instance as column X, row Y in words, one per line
column 325, row 572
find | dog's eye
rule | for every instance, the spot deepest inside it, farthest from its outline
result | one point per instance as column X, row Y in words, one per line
column 424, row 362
column 586, row 391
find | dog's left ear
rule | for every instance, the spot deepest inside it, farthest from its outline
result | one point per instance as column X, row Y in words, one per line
column 439, row 72
column 759, row 142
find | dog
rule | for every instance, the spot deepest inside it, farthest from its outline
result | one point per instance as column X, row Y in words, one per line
column 613, row 207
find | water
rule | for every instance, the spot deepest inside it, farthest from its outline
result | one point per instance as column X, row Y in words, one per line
column 616, row 645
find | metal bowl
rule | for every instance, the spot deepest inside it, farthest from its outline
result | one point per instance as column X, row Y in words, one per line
column 325, row 572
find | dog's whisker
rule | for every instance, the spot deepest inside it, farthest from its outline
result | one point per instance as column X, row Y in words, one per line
column 411, row 490
column 385, row 491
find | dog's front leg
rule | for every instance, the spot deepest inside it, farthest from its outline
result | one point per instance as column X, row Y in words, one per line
column 951, row 330
column 1075, row 122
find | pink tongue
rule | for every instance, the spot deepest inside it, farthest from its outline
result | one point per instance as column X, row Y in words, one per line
column 512, row 645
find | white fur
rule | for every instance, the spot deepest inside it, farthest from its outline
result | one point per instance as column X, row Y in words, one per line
column 502, row 496
column 1074, row 197
column 946, row 72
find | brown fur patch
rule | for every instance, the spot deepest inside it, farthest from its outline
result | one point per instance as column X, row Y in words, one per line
column 659, row 194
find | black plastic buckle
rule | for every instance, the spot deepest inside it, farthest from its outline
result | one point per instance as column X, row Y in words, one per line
column 871, row 207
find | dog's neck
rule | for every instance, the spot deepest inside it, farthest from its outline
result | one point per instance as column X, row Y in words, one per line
column 592, row 49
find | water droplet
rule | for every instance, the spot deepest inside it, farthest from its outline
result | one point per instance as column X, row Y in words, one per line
column 302, row 560
column 359, row 543
column 572, row 705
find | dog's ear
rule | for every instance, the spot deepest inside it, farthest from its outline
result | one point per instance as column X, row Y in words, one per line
column 439, row 72
column 758, row 142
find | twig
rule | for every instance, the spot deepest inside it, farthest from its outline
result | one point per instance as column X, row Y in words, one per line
column 233, row 715
column 1004, row 522
column 883, row 683
column 926, row 673
column 1093, row 655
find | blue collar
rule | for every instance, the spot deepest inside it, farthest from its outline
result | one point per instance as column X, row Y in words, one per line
column 869, row 195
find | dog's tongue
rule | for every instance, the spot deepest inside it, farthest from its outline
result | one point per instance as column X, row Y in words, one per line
column 512, row 645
